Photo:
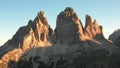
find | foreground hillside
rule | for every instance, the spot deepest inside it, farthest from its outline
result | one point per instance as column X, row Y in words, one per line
column 70, row 45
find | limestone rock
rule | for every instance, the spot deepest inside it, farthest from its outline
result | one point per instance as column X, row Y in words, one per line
column 92, row 29
column 68, row 26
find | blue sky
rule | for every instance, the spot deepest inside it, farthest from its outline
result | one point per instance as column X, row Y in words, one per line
column 16, row 13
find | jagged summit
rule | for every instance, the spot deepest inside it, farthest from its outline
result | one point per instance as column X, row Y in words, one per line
column 35, row 32
column 69, row 26
column 39, row 44
column 41, row 16
column 38, row 33
column 67, row 15
column 92, row 29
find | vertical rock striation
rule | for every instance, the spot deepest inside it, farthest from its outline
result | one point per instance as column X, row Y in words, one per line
column 92, row 29
column 29, row 40
column 37, row 32
column 68, row 26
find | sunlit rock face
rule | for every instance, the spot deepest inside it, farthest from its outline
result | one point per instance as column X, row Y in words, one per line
column 37, row 32
column 92, row 29
column 68, row 46
column 68, row 26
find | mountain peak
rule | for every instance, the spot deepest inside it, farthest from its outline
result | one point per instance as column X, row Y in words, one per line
column 35, row 32
column 69, row 30
column 92, row 29
column 69, row 26
column 41, row 13
column 68, row 9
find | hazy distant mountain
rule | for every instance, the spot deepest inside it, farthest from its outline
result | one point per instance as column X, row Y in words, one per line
column 70, row 45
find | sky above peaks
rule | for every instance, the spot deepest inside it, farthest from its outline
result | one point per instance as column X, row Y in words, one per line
column 17, row 13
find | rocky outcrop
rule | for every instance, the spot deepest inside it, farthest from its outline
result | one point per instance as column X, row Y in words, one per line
column 92, row 29
column 68, row 26
column 115, row 37
column 29, row 46
column 36, row 34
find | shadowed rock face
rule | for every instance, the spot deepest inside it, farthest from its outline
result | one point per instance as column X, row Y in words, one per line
column 68, row 26
column 117, row 42
column 115, row 37
column 92, row 29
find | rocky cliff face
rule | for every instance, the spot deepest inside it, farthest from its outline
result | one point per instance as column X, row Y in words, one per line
column 115, row 37
column 68, row 26
column 92, row 29
column 36, row 34
column 75, row 47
